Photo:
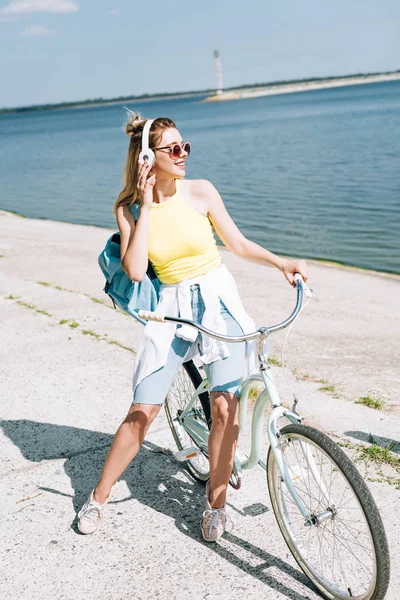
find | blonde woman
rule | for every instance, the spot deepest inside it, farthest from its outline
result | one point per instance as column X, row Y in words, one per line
column 175, row 231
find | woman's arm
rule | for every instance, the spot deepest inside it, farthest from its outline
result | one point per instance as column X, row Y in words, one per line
column 135, row 236
column 134, row 241
column 235, row 241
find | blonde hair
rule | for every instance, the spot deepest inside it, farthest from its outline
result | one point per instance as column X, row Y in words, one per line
column 134, row 128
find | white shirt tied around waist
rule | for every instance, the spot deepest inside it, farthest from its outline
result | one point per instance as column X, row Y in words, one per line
column 175, row 301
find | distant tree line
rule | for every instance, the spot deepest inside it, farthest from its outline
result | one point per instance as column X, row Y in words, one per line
column 103, row 101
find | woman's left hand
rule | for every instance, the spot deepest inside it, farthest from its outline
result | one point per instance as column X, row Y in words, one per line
column 290, row 267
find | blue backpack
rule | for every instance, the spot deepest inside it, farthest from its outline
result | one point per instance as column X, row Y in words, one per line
column 130, row 296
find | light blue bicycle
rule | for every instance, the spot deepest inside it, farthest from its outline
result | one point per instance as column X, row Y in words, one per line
column 324, row 508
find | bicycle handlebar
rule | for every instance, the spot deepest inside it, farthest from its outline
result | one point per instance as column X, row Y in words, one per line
column 302, row 289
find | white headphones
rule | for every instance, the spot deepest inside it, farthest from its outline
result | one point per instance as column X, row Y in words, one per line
column 146, row 153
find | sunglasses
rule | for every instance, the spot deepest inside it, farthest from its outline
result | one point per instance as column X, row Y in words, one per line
column 176, row 150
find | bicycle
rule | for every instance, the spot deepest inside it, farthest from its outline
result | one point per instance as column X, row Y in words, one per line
column 316, row 491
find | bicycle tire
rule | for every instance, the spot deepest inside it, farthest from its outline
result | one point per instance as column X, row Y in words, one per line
column 340, row 523
column 183, row 387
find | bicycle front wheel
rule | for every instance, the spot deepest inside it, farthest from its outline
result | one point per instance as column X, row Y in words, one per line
column 182, row 390
column 343, row 548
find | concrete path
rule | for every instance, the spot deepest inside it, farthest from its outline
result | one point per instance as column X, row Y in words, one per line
column 66, row 365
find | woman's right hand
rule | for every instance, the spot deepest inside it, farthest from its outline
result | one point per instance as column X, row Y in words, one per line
column 145, row 184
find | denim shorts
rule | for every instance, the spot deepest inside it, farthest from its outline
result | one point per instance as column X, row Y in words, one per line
column 224, row 375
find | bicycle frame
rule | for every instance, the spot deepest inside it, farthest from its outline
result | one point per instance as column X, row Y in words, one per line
column 269, row 394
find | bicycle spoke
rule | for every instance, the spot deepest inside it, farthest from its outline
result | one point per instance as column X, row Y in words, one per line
column 179, row 396
column 340, row 563
column 337, row 548
column 308, row 491
column 367, row 571
column 345, row 541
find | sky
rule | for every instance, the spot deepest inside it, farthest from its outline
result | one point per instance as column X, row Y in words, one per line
column 67, row 50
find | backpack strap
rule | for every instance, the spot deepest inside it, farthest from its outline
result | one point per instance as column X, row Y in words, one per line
column 135, row 210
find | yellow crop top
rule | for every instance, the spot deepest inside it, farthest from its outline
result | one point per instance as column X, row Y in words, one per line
column 181, row 241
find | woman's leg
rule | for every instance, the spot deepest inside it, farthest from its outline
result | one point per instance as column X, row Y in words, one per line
column 125, row 446
column 133, row 429
column 225, row 380
column 222, row 444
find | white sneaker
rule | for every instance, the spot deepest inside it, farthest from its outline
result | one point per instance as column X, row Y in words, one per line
column 213, row 522
column 90, row 515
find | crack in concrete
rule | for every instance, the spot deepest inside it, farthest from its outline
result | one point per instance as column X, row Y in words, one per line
column 96, row 336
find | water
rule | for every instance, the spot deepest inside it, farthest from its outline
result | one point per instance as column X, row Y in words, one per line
column 313, row 174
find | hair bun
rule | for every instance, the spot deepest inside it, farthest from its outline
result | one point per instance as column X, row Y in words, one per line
column 134, row 123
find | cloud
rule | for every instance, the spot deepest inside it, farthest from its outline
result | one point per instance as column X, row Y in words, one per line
column 36, row 30
column 47, row 6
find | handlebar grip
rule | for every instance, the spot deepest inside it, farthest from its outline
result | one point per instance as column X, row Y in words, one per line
column 298, row 278
column 151, row 316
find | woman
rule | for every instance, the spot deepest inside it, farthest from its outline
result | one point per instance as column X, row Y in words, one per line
column 174, row 231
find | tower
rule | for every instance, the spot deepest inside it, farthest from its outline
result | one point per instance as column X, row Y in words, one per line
column 218, row 72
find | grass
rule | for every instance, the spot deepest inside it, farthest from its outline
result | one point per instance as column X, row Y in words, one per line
column 97, row 301
column 27, row 305
column 90, row 332
column 327, row 388
column 376, row 403
column 386, row 479
column 73, row 324
column 274, row 361
column 380, row 454
column 33, row 307
column 254, row 392
column 62, row 289
column 347, row 445
column 116, row 343
column 304, row 377
column 43, row 312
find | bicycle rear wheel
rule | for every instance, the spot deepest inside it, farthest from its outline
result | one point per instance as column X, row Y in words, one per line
column 344, row 549
column 183, row 387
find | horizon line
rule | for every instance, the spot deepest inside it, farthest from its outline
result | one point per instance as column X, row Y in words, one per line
column 146, row 96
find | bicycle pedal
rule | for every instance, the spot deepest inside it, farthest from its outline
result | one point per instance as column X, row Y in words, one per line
column 187, row 453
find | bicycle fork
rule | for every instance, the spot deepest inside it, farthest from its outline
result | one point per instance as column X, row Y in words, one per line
column 278, row 413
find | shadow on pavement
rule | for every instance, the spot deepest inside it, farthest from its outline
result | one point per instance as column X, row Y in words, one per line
column 393, row 445
column 154, row 478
